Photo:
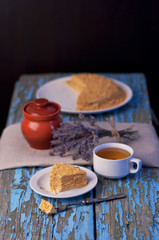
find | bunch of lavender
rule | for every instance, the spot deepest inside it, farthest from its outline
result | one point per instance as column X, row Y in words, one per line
column 82, row 135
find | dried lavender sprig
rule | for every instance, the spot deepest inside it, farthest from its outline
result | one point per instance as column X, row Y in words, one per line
column 75, row 135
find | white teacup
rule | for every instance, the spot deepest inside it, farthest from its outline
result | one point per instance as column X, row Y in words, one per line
column 117, row 168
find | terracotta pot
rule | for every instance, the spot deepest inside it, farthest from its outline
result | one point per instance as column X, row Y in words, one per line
column 41, row 117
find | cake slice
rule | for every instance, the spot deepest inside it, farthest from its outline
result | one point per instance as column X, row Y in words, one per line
column 64, row 177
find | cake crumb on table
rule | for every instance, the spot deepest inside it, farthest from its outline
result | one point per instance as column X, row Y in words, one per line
column 46, row 207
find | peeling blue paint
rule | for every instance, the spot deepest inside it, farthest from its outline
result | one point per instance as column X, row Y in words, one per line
column 145, row 187
column 66, row 118
column 103, row 228
column 40, row 81
column 120, row 210
column 23, row 218
column 129, row 191
column 119, row 183
column 10, row 120
column 28, row 94
column 17, row 176
column 15, row 194
column 137, row 195
column 156, row 219
column 110, row 189
column 15, row 104
column 116, row 217
column 135, row 234
column 4, row 192
column 107, row 236
column 153, row 195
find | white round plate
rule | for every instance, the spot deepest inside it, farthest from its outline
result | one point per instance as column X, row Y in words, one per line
column 39, row 183
column 58, row 91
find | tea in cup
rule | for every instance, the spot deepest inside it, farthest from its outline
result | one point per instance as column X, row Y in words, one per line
column 115, row 160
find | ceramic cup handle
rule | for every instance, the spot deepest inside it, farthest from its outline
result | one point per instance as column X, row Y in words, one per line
column 138, row 164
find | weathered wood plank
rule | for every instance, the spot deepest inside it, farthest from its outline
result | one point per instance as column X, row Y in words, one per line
column 23, row 220
column 133, row 218
column 25, row 91
column 77, row 223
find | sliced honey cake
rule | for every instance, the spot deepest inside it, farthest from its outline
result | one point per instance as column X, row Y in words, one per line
column 64, row 177
column 96, row 91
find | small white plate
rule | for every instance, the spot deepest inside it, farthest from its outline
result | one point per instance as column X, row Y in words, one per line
column 58, row 91
column 39, row 183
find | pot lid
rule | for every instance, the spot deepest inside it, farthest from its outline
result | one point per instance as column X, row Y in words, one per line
column 41, row 107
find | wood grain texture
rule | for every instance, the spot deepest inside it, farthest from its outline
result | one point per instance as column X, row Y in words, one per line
column 135, row 217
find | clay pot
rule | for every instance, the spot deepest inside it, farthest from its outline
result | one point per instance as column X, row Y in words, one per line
column 41, row 117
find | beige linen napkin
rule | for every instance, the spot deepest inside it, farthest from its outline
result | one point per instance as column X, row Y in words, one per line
column 15, row 151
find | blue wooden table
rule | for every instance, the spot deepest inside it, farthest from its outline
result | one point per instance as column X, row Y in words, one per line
column 135, row 217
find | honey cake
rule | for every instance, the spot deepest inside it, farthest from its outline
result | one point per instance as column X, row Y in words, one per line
column 96, row 91
column 64, row 177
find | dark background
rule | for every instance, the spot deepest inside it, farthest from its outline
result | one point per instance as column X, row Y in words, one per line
column 77, row 36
